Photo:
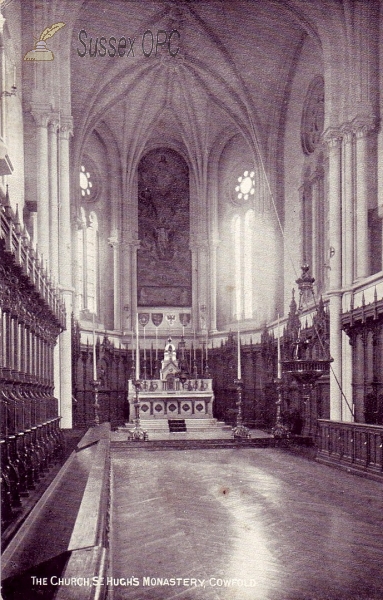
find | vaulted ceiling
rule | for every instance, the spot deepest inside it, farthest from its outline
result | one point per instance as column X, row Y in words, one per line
column 231, row 73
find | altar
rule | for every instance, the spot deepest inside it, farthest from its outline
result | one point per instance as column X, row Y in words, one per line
column 176, row 394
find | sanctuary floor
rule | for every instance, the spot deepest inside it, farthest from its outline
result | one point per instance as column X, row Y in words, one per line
column 242, row 524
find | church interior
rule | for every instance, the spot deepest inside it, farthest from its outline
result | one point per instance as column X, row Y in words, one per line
column 191, row 299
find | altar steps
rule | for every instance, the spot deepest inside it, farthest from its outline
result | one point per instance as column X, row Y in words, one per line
column 192, row 444
column 176, row 425
column 192, row 425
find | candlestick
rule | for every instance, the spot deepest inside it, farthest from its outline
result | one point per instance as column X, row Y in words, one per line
column 94, row 351
column 137, row 352
column 206, row 347
column 194, row 349
column 239, row 357
column 279, row 353
column 156, row 343
column 144, row 345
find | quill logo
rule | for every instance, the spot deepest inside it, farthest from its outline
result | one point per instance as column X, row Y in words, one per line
column 41, row 52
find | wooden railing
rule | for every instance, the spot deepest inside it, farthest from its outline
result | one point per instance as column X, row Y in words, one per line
column 354, row 446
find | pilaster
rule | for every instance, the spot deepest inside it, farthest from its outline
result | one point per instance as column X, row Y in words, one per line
column 334, row 141
column 41, row 116
column 65, row 271
column 348, row 208
column 362, row 128
column 115, row 245
column 53, row 197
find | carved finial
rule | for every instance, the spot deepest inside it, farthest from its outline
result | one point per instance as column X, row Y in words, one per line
column 17, row 220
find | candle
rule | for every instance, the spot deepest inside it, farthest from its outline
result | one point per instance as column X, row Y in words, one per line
column 156, row 343
column 132, row 346
column 206, row 347
column 137, row 352
column 194, row 344
column 279, row 353
column 239, row 357
column 14, row 76
column 94, row 351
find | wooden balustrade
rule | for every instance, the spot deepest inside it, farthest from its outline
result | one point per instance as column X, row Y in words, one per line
column 353, row 446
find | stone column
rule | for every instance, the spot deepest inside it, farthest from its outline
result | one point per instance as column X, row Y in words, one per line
column 41, row 118
column 334, row 140
column 347, row 379
column 314, row 228
column 65, row 273
column 53, row 199
column 195, row 284
column 348, row 209
column 362, row 190
column 203, row 274
column 133, row 247
column 114, row 243
column 213, row 288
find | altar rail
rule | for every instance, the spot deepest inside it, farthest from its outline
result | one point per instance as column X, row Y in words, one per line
column 356, row 447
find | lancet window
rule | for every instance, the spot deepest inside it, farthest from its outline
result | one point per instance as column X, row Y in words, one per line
column 88, row 262
column 243, row 243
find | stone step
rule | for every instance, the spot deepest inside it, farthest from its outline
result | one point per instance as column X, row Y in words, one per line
column 188, row 444
column 162, row 425
column 176, row 425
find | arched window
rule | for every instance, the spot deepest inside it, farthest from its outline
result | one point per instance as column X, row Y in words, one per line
column 248, row 243
column 92, row 262
column 236, row 234
column 88, row 262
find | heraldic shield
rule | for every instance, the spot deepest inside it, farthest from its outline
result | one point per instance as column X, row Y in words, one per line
column 157, row 319
column 143, row 319
column 184, row 319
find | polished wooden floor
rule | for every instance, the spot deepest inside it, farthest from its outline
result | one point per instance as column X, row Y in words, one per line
column 252, row 524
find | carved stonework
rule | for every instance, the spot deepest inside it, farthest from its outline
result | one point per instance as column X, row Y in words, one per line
column 163, row 259
column 313, row 115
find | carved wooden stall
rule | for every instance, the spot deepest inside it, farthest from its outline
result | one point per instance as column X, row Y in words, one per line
column 113, row 367
column 364, row 326
column 257, row 406
column 32, row 316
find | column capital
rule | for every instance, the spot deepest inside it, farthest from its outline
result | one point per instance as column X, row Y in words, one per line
column 66, row 126
column 113, row 241
column 347, row 133
column 40, row 117
column 363, row 125
column 54, row 124
column 332, row 137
